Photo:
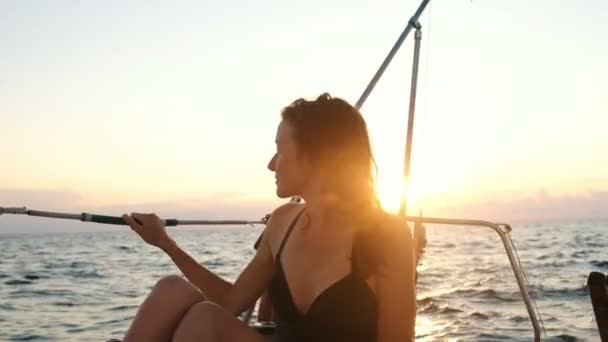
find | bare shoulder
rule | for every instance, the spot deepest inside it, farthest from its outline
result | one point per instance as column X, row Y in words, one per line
column 279, row 220
column 283, row 214
column 394, row 233
column 392, row 226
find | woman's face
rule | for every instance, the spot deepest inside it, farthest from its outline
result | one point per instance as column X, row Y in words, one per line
column 292, row 172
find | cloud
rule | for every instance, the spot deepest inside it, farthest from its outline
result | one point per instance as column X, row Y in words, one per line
column 539, row 206
column 50, row 199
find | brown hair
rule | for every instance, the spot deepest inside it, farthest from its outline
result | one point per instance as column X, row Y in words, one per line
column 333, row 136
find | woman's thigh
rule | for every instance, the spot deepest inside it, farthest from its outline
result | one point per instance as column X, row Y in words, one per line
column 209, row 321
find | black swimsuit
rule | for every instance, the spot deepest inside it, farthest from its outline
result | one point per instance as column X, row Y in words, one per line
column 345, row 311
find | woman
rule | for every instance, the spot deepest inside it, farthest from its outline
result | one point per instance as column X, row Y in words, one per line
column 337, row 268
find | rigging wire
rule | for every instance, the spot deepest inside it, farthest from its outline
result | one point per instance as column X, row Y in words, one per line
column 523, row 272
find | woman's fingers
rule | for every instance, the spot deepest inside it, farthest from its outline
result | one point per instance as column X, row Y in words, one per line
column 148, row 226
column 131, row 221
column 145, row 219
column 139, row 218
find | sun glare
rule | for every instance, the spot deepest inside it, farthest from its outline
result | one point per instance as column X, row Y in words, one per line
column 390, row 186
column 426, row 181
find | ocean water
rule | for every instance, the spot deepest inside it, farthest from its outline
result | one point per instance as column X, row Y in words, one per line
column 87, row 286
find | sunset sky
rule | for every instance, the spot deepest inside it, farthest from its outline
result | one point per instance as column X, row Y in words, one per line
column 172, row 106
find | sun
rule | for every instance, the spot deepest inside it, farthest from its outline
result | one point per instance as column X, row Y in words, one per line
column 390, row 188
column 426, row 183
column 434, row 173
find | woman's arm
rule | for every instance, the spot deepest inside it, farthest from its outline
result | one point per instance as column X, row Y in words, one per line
column 233, row 297
column 152, row 230
column 254, row 279
column 395, row 285
column 236, row 297
column 211, row 285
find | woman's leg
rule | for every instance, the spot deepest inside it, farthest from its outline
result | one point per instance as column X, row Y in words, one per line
column 265, row 309
column 208, row 322
column 163, row 309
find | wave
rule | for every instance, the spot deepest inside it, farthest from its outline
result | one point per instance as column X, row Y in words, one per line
column 7, row 306
column 519, row 319
column 84, row 274
column 492, row 337
column 122, row 307
column 558, row 255
column 35, row 277
column 436, row 309
column 563, row 338
column 597, row 263
column 580, row 254
column 126, row 249
column 540, row 291
column 486, row 293
column 42, row 293
column 479, row 315
column 30, row 337
column 66, row 304
column 18, row 282
column 424, row 301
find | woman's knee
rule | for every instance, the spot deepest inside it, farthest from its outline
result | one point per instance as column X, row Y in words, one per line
column 178, row 286
column 170, row 282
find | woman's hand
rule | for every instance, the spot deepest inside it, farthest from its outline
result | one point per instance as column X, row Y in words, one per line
column 150, row 228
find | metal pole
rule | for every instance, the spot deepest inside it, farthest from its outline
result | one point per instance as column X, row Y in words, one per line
column 117, row 220
column 410, row 122
column 411, row 24
column 513, row 259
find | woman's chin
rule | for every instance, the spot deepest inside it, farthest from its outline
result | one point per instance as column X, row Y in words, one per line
column 281, row 193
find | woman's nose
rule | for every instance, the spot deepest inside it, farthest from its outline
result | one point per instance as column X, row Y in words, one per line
column 272, row 163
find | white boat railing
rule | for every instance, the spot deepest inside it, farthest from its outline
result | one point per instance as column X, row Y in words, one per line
column 503, row 230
